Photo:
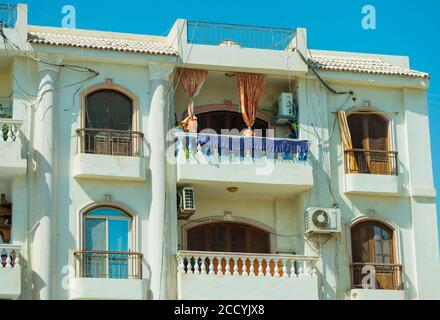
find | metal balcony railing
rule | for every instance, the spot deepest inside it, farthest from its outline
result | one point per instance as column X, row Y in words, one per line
column 371, row 162
column 108, row 264
column 110, row 142
column 8, row 15
column 380, row 276
column 235, row 35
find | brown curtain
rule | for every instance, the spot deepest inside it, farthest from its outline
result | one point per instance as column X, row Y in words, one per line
column 192, row 81
column 250, row 91
column 346, row 141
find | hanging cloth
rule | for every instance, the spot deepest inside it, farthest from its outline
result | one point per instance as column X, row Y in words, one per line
column 250, row 91
column 192, row 81
column 346, row 142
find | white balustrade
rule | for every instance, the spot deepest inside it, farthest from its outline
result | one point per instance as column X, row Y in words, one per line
column 244, row 264
column 10, row 256
column 10, row 130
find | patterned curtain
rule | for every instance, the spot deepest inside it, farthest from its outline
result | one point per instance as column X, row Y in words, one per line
column 250, row 91
column 192, row 81
column 346, row 141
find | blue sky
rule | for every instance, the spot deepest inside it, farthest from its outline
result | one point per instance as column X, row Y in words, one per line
column 403, row 28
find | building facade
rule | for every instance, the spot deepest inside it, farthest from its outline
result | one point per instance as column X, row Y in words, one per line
column 217, row 162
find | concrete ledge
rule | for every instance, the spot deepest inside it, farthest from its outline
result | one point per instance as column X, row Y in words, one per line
column 98, row 166
column 423, row 192
column 369, row 294
column 10, row 283
column 107, row 289
column 11, row 163
column 377, row 184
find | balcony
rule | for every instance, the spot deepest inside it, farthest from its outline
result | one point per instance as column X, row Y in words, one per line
column 110, row 154
column 257, row 162
column 108, row 275
column 10, row 271
column 377, row 282
column 11, row 162
column 214, row 275
column 372, row 172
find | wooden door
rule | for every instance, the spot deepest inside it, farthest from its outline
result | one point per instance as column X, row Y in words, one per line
column 369, row 132
column 229, row 237
column 373, row 244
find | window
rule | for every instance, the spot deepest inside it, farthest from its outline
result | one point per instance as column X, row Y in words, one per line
column 372, row 244
column 218, row 120
column 370, row 140
column 108, row 124
column 106, row 243
column 228, row 237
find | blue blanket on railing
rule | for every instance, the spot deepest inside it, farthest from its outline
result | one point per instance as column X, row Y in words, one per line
column 296, row 148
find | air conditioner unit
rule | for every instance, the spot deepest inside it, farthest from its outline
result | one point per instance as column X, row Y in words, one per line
column 323, row 220
column 286, row 105
column 186, row 203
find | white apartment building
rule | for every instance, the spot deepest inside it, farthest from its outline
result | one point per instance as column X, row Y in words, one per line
column 104, row 198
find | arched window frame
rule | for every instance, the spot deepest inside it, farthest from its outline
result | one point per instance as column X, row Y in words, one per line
column 109, row 85
column 221, row 219
column 133, row 234
column 382, row 114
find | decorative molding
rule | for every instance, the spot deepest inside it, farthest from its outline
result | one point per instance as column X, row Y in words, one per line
column 160, row 71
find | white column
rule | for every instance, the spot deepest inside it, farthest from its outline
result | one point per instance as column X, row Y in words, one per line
column 44, row 176
column 159, row 75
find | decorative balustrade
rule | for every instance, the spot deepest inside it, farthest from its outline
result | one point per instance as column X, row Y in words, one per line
column 10, row 130
column 371, row 162
column 245, row 265
column 214, row 146
column 10, row 256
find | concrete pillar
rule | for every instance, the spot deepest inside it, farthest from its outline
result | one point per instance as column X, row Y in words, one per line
column 159, row 75
column 45, row 107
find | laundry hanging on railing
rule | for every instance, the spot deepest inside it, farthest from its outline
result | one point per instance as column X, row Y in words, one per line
column 297, row 149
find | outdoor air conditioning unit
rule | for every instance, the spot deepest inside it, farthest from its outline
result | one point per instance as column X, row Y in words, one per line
column 323, row 220
column 186, row 203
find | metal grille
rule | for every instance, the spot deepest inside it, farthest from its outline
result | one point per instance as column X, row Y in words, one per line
column 235, row 35
column 108, row 264
column 8, row 15
column 110, row 142
column 380, row 276
column 371, row 162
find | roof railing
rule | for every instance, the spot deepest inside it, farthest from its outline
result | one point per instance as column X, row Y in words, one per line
column 236, row 35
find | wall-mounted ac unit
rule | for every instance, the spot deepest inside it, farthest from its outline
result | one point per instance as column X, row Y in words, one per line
column 323, row 220
column 186, row 202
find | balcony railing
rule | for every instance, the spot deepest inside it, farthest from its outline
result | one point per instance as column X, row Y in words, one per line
column 8, row 15
column 108, row 264
column 229, row 146
column 371, row 162
column 244, row 36
column 10, row 256
column 244, row 264
column 378, row 276
column 10, row 130
column 110, row 142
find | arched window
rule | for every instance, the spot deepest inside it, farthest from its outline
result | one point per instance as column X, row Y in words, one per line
column 218, row 120
column 228, row 237
column 372, row 244
column 370, row 137
column 106, row 243
column 108, row 124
